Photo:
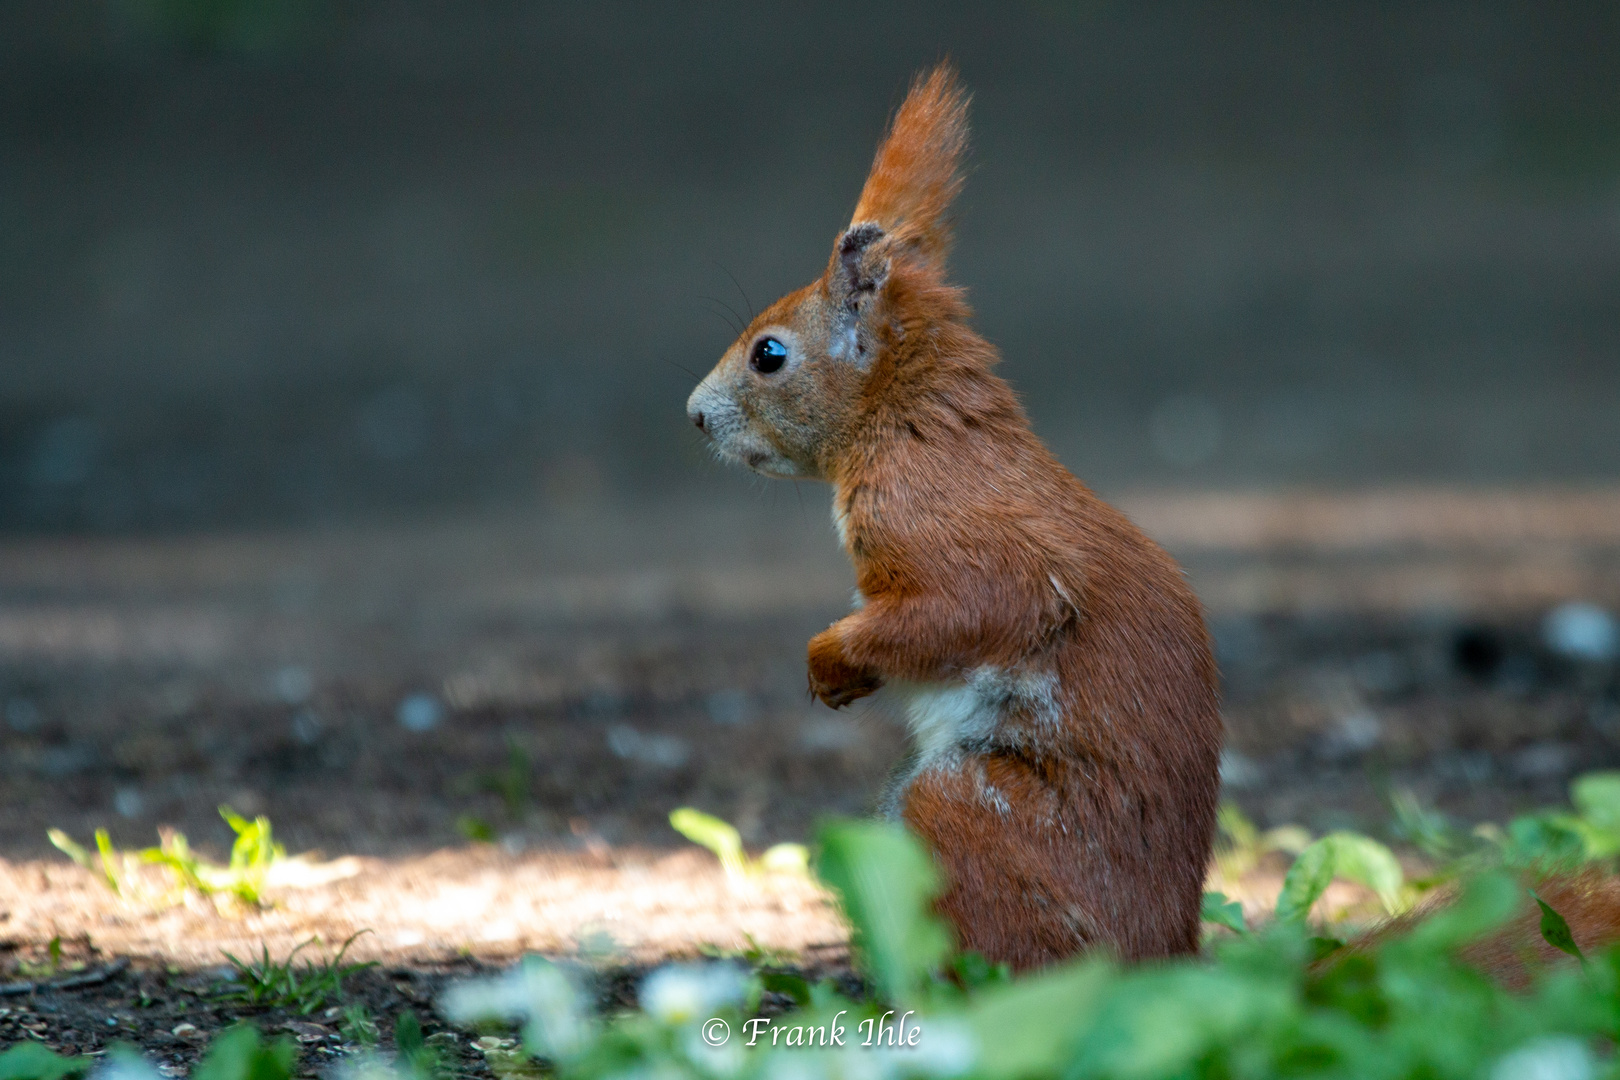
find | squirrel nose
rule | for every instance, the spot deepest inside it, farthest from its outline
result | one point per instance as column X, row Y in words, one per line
column 697, row 418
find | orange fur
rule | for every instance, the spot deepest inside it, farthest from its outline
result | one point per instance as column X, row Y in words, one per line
column 915, row 175
column 1060, row 678
column 1588, row 900
column 1512, row 955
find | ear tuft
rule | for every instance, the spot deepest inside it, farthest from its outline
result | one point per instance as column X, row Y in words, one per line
column 916, row 173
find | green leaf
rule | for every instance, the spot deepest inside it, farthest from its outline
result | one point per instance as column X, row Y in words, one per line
column 794, row 986
column 1306, row 880
column 1555, row 930
column 1546, row 837
column 1597, row 797
column 419, row 1056
column 886, row 882
column 31, row 1061
column 974, row 972
column 408, row 1033
column 1236, row 827
column 1223, row 912
column 1485, row 903
column 67, row 846
column 714, row 834
column 1029, row 1026
column 1160, row 1022
column 1424, row 827
column 1365, row 861
column 1347, row 855
column 239, row 1054
column 1320, row 948
column 786, row 859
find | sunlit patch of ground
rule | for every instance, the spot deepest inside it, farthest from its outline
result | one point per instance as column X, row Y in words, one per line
column 626, row 905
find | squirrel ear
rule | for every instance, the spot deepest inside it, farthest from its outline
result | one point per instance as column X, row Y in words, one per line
column 917, row 170
column 860, row 265
column 856, row 273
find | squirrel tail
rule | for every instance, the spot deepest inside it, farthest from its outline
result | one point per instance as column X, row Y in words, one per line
column 1589, row 902
column 1512, row 954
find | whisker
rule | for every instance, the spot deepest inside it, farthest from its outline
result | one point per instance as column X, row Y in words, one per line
column 735, row 330
column 731, row 309
column 681, row 367
column 751, row 315
column 800, row 496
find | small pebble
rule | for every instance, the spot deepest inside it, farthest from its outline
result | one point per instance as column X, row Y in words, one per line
column 306, row 726
column 420, row 712
column 1582, row 631
column 294, row 684
column 729, row 708
column 659, row 751
column 22, row 715
column 128, row 802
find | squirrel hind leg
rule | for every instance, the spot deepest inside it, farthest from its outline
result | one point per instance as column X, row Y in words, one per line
column 1034, row 873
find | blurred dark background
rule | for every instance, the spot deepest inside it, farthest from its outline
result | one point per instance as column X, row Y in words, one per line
column 268, row 263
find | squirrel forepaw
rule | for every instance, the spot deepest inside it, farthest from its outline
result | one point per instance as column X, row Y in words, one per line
column 836, row 697
column 835, row 681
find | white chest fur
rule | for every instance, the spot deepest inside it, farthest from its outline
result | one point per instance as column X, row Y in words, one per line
column 946, row 716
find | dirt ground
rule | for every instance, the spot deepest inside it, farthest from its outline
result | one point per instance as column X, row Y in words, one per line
column 481, row 727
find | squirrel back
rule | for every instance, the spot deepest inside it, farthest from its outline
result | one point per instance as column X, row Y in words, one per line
column 1051, row 659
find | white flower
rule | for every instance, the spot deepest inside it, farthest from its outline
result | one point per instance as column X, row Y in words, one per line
column 943, row 1048
column 369, row 1066
column 536, row 991
column 125, row 1065
column 1557, row 1057
column 679, row 993
column 727, row 1059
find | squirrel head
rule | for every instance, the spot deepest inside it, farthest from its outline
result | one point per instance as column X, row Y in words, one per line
column 787, row 397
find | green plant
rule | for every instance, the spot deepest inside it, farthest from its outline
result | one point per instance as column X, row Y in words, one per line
column 1241, row 845
column 1588, row 833
column 255, row 856
column 1274, row 1002
column 240, row 1053
column 511, row 783
column 356, row 1025
column 267, row 983
column 1425, row 829
column 1270, row 1001
column 31, row 1061
column 1221, row 911
column 52, row 965
column 723, row 839
column 885, row 881
column 1347, row 855
column 415, row 1057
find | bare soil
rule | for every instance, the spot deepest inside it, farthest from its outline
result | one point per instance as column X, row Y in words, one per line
column 556, row 687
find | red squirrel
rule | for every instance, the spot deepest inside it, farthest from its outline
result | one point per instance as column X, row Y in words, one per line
column 1052, row 661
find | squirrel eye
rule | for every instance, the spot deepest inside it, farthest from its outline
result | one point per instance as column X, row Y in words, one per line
column 769, row 355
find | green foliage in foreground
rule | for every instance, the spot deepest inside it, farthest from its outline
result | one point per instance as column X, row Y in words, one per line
column 239, row 1053
column 1277, row 1001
